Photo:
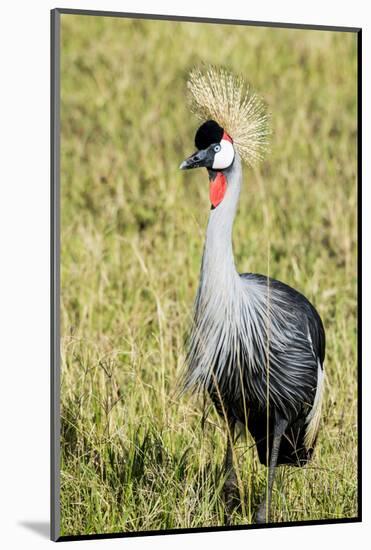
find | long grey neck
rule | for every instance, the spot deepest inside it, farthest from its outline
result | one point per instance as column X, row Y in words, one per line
column 217, row 314
column 218, row 265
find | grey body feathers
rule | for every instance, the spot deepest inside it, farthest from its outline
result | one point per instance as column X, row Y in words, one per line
column 256, row 345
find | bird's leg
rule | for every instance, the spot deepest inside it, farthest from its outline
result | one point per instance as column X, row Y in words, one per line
column 263, row 513
column 230, row 489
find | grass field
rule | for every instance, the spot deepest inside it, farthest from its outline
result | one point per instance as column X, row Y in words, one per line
column 134, row 455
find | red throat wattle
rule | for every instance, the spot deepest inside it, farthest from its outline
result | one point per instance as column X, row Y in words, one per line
column 218, row 187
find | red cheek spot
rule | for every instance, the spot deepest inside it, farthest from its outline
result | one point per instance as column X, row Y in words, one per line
column 227, row 137
column 218, row 187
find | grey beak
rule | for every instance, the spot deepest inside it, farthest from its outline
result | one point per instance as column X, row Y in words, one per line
column 199, row 158
column 184, row 165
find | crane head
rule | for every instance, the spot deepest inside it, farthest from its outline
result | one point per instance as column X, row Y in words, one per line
column 215, row 149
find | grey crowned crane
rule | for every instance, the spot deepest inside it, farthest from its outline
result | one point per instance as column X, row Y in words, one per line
column 256, row 345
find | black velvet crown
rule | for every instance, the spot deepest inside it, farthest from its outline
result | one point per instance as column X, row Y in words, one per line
column 209, row 132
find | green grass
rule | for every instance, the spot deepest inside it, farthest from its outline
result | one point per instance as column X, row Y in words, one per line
column 134, row 455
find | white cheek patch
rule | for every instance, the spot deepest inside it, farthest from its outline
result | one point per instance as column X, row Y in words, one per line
column 225, row 156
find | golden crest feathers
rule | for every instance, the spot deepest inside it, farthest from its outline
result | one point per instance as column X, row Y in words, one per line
column 226, row 98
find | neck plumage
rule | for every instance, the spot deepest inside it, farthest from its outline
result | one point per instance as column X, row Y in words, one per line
column 218, row 267
column 218, row 302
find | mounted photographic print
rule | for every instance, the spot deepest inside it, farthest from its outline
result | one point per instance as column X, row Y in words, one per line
column 205, row 255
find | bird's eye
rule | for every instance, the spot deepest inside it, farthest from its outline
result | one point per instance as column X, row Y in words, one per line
column 217, row 148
